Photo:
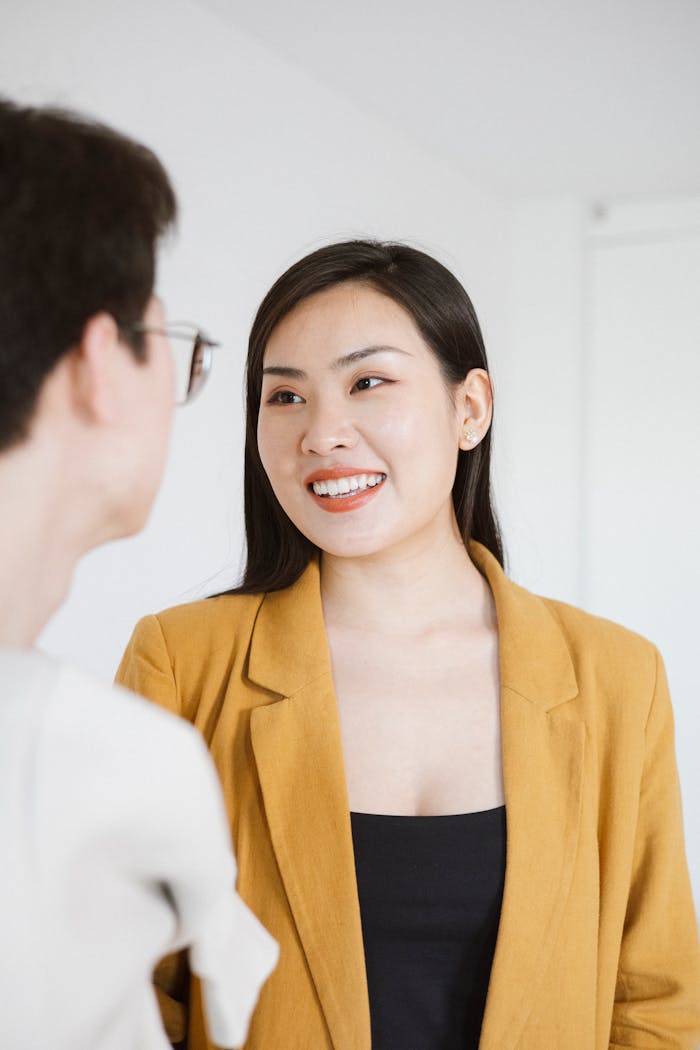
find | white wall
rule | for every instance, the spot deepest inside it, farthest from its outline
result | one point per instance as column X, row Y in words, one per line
column 598, row 465
column 641, row 560
column 268, row 164
column 538, row 397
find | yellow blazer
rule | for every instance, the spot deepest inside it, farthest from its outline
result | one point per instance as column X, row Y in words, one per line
column 597, row 943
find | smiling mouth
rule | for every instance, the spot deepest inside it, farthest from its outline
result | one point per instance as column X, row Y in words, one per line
column 342, row 488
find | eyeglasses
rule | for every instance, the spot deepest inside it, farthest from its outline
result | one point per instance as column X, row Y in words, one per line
column 191, row 352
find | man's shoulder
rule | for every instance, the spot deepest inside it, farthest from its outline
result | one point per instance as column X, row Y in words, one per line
column 110, row 712
column 28, row 683
column 83, row 738
column 27, row 677
column 71, row 706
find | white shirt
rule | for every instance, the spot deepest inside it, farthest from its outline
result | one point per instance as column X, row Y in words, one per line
column 114, row 851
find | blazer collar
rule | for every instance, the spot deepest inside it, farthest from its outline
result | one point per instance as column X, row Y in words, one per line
column 542, row 745
column 289, row 648
column 299, row 757
column 535, row 661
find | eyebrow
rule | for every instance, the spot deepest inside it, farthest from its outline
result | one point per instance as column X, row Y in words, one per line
column 338, row 364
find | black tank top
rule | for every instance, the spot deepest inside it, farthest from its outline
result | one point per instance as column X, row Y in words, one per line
column 430, row 892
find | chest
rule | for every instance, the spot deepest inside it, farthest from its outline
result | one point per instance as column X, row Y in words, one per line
column 419, row 721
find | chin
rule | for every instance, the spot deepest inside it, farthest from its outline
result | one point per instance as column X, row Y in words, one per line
column 137, row 524
column 351, row 546
column 352, row 535
column 132, row 518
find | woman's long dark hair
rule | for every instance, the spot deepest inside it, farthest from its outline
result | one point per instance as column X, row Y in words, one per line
column 278, row 552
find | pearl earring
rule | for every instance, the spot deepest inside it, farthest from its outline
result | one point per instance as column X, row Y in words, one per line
column 471, row 435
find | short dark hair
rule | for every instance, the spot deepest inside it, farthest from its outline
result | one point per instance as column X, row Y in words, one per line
column 277, row 552
column 81, row 210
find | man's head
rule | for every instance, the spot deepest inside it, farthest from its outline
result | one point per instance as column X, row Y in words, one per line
column 81, row 211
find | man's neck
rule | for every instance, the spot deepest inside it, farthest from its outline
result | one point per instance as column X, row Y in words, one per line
column 39, row 543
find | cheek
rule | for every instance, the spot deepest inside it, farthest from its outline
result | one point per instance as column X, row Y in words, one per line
column 422, row 437
column 162, row 394
column 275, row 445
column 170, row 378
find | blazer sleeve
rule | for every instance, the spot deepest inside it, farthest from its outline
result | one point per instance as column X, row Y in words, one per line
column 657, row 996
column 146, row 667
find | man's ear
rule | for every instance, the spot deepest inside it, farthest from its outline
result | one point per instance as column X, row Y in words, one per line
column 474, row 405
column 94, row 369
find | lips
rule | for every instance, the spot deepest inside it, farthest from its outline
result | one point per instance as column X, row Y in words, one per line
column 337, row 472
column 341, row 489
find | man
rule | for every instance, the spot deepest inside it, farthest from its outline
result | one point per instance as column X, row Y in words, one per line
column 115, row 847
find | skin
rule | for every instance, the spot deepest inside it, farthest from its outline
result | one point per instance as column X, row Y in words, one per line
column 411, row 622
column 87, row 472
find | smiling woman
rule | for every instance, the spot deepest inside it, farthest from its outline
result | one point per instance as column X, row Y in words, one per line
column 423, row 328
column 445, row 792
column 374, row 426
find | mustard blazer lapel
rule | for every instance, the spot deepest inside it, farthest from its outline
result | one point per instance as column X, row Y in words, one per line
column 542, row 745
column 298, row 751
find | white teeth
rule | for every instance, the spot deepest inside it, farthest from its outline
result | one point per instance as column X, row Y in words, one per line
column 344, row 486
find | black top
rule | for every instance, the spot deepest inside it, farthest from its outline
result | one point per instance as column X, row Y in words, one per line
column 430, row 892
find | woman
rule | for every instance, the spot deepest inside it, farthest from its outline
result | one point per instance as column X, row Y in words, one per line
column 381, row 701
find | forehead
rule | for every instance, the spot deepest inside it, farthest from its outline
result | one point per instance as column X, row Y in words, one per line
column 341, row 320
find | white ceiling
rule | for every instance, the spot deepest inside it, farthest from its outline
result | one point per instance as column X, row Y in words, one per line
column 595, row 97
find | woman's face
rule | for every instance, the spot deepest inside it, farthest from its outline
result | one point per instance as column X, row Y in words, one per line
column 357, row 431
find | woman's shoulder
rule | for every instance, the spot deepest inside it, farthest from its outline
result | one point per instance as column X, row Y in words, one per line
column 590, row 629
column 543, row 621
column 605, row 650
column 617, row 674
column 187, row 651
column 230, row 618
column 225, row 616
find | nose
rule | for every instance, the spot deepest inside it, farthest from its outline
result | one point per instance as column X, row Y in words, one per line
column 328, row 429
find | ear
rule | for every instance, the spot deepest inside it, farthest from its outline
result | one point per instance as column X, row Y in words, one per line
column 94, row 362
column 474, row 403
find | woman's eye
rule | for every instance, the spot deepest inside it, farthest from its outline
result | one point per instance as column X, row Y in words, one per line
column 284, row 397
column 367, row 382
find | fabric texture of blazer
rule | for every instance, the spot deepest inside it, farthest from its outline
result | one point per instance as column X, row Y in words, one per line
column 597, row 944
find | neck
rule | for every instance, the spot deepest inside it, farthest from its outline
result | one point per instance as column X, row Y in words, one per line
column 40, row 540
column 427, row 581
